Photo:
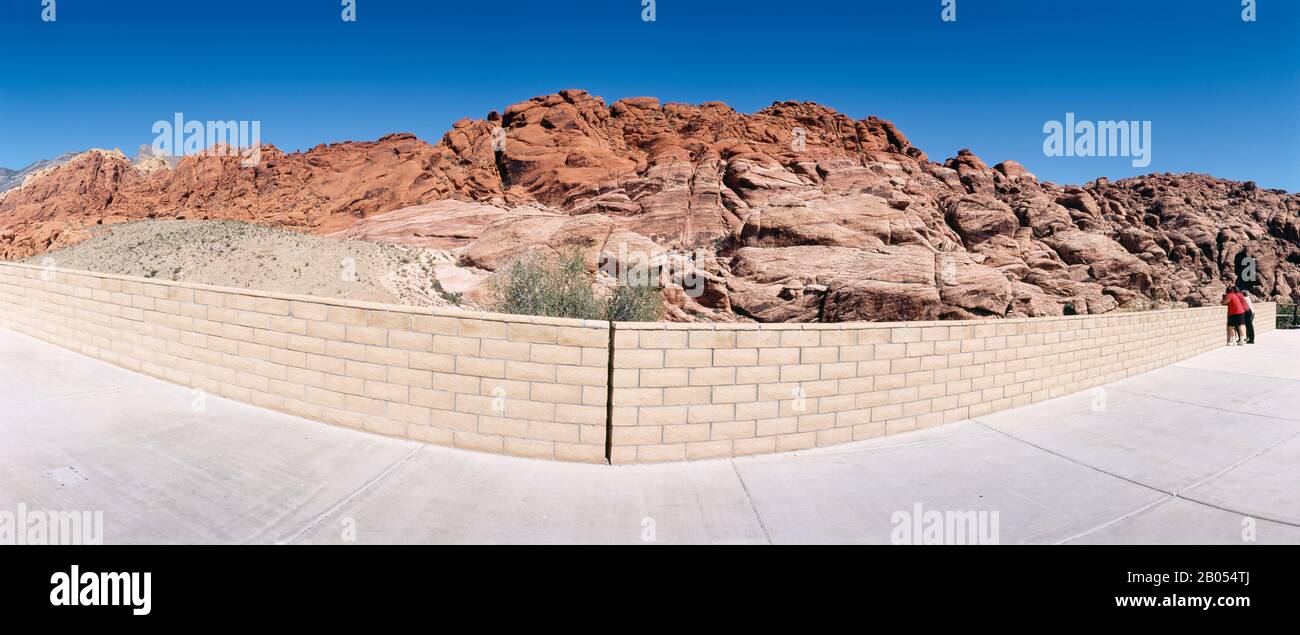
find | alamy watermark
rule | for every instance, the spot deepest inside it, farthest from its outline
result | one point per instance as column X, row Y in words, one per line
column 1082, row 138
column 932, row 527
column 639, row 269
column 1249, row 269
column 1098, row 404
column 181, row 137
column 25, row 526
column 92, row 588
column 49, row 269
column 49, row 11
column 799, row 399
column 199, row 400
column 947, row 269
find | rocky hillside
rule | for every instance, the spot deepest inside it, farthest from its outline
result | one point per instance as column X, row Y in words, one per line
column 10, row 179
column 793, row 213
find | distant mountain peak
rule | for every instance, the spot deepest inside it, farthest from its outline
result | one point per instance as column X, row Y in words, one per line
column 10, row 179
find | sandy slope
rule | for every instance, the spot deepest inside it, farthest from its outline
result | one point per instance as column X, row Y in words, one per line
column 234, row 254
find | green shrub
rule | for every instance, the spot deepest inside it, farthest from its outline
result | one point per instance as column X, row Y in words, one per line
column 561, row 286
column 635, row 303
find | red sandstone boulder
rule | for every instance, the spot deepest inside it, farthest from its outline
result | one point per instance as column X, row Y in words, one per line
column 980, row 217
column 1015, row 172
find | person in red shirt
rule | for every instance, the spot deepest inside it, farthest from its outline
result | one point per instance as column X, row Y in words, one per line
column 1236, row 315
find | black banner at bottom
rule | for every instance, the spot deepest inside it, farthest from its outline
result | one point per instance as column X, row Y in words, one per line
column 140, row 585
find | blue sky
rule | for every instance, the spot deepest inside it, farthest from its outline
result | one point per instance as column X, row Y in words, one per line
column 1223, row 95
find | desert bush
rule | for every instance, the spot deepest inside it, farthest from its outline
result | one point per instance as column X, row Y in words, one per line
column 634, row 303
column 561, row 286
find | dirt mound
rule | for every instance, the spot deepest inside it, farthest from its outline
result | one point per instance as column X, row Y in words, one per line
column 234, row 254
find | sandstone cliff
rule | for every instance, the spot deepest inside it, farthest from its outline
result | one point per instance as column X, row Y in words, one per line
column 793, row 213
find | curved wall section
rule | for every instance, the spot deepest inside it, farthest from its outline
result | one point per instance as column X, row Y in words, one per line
column 702, row 391
column 539, row 387
column 533, row 387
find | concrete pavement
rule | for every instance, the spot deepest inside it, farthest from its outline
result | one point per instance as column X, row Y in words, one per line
column 1207, row 451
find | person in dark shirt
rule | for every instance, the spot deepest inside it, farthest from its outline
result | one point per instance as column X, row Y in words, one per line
column 1249, row 316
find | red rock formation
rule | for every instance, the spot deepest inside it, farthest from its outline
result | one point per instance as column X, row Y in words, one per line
column 795, row 212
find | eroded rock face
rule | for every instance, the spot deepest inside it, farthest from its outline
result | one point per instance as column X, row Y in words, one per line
column 793, row 213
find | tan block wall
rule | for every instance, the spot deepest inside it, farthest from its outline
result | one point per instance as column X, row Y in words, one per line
column 506, row 384
column 685, row 392
column 538, row 387
column 1265, row 316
